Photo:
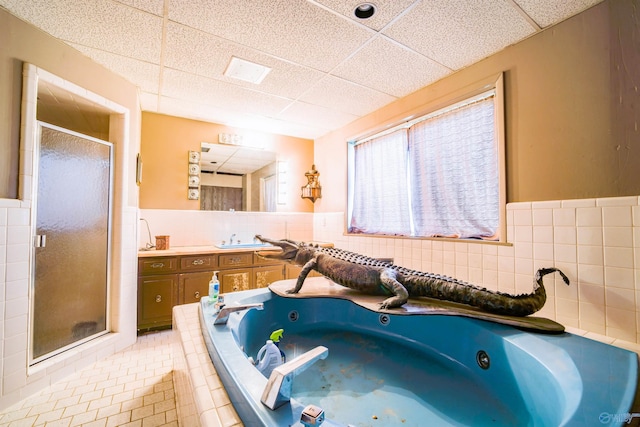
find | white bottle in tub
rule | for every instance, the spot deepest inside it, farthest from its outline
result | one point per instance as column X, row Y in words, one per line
column 269, row 358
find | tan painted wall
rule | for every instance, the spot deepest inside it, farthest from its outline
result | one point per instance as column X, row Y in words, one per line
column 166, row 141
column 21, row 42
column 571, row 128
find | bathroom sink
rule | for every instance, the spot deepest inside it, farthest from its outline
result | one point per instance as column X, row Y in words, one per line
column 244, row 246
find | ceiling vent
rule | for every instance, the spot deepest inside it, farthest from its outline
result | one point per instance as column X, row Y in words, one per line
column 246, row 70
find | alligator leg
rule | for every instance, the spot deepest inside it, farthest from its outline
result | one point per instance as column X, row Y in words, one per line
column 390, row 283
column 306, row 269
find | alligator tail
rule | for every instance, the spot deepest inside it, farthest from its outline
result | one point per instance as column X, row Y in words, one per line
column 491, row 301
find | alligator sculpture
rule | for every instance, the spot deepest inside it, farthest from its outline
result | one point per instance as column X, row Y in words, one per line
column 377, row 277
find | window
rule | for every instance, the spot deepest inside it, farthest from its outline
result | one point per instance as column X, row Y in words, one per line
column 440, row 175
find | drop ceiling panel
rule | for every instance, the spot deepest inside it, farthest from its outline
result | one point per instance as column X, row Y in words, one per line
column 177, row 84
column 386, row 10
column 206, row 55
column 295, row 30
column 149, row 101
column 309, row 114
column 390, row 68
column 143, row 74
column 237, row 160
column 152, row 6
column 457, row 33
column 101, row 24
column 548, row 12
column 328, row 67
column 339, row 94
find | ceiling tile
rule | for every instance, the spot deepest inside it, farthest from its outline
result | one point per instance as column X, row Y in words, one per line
column 177, row 84
column 390, row 68
column 198, row 111
column 328, row 68
column 207, row 55
column 386, row 10
column 152, row 6
column 336, row 93
column 548, row 12
column 308, row 114
column 101, row 24
column 149, row 102
column 295, row 30
column 142, row 74
column 457, row 33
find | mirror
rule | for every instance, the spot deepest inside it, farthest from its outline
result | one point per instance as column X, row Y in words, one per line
column 237, row 178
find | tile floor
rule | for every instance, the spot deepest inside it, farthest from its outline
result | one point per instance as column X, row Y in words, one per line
column 132, row 388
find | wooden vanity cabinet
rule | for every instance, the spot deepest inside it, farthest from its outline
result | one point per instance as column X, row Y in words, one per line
column 164, row 282
column 157, row 291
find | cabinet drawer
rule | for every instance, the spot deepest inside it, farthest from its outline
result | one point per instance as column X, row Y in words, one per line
column 265, row 261
column 157, row 265
column 244, row 259
column 202, row 262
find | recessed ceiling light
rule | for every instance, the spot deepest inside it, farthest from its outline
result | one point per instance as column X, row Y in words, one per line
column 246, row 70
column 364, row 10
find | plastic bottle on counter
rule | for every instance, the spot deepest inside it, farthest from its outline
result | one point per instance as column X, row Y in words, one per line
column 214, row 289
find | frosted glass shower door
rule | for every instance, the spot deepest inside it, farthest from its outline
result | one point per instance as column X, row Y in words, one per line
column 69, row 299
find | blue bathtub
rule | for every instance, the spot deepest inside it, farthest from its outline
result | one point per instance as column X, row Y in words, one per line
column 387, row 370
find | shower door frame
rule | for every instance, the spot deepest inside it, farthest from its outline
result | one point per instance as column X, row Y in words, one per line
column 34, row 224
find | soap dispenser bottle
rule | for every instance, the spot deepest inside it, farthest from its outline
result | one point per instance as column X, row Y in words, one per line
column 214, row 288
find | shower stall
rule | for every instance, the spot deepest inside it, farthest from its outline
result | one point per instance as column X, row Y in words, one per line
column 72, row 237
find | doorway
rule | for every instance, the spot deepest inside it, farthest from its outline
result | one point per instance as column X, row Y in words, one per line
column 71, row 257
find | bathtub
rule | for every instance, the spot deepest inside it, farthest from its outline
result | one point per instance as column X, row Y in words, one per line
column 416, row 370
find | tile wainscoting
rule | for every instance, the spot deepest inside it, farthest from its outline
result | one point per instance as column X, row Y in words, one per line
column 596, row 242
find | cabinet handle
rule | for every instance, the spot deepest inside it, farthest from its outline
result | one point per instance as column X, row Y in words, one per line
column 157, row 265
column 197, row 295
column 198, row 262
column 158, row 298
column 235, row 288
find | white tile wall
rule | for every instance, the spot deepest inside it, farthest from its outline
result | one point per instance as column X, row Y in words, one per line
column 596, row 242
column 205, row 228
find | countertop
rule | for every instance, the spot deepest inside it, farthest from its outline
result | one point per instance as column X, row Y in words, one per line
column 210, row 249
column 193, row 250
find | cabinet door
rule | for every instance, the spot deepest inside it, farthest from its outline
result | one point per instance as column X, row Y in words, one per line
column 156, row 297
column 194, row 286
column 264, row 276
column 239, row 279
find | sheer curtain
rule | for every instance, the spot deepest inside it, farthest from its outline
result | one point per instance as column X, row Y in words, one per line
column 454, row 165
column 380, row 189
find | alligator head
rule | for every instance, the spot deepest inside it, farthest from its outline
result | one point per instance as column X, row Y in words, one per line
column 289, row 249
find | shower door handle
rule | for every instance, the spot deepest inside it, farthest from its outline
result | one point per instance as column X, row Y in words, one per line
column 40, row 240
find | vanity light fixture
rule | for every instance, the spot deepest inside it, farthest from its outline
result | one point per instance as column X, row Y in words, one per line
column 193, row 183
column 313, row 189
column 364, row 10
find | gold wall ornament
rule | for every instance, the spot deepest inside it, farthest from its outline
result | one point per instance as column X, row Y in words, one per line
column 313, row 189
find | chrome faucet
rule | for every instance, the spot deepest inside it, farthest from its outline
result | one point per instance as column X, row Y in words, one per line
column 223, row 314
column 278, row 389
column 231, row 238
